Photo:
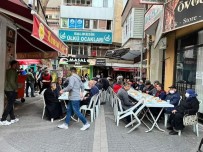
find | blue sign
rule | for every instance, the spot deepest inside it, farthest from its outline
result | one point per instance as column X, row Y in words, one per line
column 71, row 23
column 75, row 23
column 85, row 36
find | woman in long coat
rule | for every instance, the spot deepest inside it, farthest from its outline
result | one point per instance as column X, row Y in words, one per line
column 190, row 106
column 53, row 106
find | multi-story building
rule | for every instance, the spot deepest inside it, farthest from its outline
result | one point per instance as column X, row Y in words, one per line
column 90, row 28
column 132, row 32
column 53, row 14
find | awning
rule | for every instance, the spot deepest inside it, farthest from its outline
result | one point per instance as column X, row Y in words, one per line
column 29, row 61
column 21, row 15
column 122, row 53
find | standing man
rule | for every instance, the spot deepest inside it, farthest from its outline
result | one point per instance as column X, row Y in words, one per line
column 30, row 83
column 11, row 89
column 46, row 80
column 74, row 87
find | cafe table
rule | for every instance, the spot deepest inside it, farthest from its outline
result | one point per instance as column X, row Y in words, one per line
column 150, row 102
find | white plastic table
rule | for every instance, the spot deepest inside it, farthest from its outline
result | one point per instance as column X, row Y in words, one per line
column 150, row 102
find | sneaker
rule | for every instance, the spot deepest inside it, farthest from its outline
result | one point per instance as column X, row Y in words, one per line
column 85, row 127
column 5, row 123
column 14, row 120
column 63, row 126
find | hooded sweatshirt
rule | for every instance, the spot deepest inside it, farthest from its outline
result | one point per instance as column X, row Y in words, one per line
column 74, row 87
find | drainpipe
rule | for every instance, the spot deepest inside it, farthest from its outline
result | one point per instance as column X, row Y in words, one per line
column 142, row 50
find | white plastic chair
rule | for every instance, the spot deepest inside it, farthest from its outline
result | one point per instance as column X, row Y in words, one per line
column 166, row 115
column 90, row 107
column 195, row 125
column 44, row 108
column 120, row 113
column 98, row 104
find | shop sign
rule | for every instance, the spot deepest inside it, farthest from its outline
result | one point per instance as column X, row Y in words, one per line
column 181, row 13
column 85, row 36
column 71, row 60
column 37, row 55
column 10, row 33
column 75, row 23
column 100, row 62
column 124, row 69
column 44, row 34
column 152, row 1
column 152, row 15
column 91, row 61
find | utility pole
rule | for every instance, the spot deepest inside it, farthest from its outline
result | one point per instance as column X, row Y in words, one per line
column 142, row 50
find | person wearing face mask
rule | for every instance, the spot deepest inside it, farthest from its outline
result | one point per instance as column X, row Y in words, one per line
column 173, row 96
column 190, row 106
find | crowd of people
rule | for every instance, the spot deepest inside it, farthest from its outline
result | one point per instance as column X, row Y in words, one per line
column 188, row 106
column 75, row 86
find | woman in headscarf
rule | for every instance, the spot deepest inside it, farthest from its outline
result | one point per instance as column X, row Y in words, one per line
column 190, row 106
column 53, row 106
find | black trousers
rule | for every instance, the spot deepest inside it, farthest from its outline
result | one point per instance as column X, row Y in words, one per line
column 176, row 120
column 11, row 97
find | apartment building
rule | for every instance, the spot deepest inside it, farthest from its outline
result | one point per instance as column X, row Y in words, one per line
column 90, row 28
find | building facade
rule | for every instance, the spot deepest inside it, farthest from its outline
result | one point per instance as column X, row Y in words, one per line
column 90, row 28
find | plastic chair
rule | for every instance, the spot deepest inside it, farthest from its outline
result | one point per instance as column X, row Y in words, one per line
column 90, row 107
column 166, row 115
column 98, row 104
column 120, row 113
column 195, row 125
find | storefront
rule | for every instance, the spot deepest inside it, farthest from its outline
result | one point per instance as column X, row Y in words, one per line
column 17, row 23
column 81, row 64
column 184, row 51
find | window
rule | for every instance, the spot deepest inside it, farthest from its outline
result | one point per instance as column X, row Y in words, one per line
column 102, row 24
column 74, row 49
column 95, row 24
column 85, row 50
column 108, row 27
column 86, row 23
column 105, row 3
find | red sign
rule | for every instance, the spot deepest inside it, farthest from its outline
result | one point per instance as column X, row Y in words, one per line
column 41, row 32
column 125, row 69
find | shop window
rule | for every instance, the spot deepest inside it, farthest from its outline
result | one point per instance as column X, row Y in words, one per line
column 87, row 24
column 95, row 24
column 108, row 25
column 102, row 24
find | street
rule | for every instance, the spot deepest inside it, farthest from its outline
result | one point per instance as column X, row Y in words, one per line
column 33, row 134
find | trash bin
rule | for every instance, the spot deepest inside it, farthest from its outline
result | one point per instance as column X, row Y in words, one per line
column 21, row 87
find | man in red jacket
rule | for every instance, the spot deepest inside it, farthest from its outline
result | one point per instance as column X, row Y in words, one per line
column 46, row 80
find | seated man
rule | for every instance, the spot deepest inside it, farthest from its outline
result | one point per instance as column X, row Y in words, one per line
column 118, row 84
column 93, row 90
column 123, row 96
column 53, row 106
column 148, row 87
column 160, row 92
column 173, row 96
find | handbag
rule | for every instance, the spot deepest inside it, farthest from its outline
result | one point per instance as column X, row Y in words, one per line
column 189, row 120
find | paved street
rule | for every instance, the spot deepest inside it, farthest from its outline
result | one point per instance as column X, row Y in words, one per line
column 33, row 134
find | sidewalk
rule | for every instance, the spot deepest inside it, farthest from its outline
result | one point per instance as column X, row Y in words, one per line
column 33, row 134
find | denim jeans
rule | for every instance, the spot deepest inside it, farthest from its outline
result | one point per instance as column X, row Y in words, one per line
column 31, row 85
column 11, row 97
column 74, row 106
